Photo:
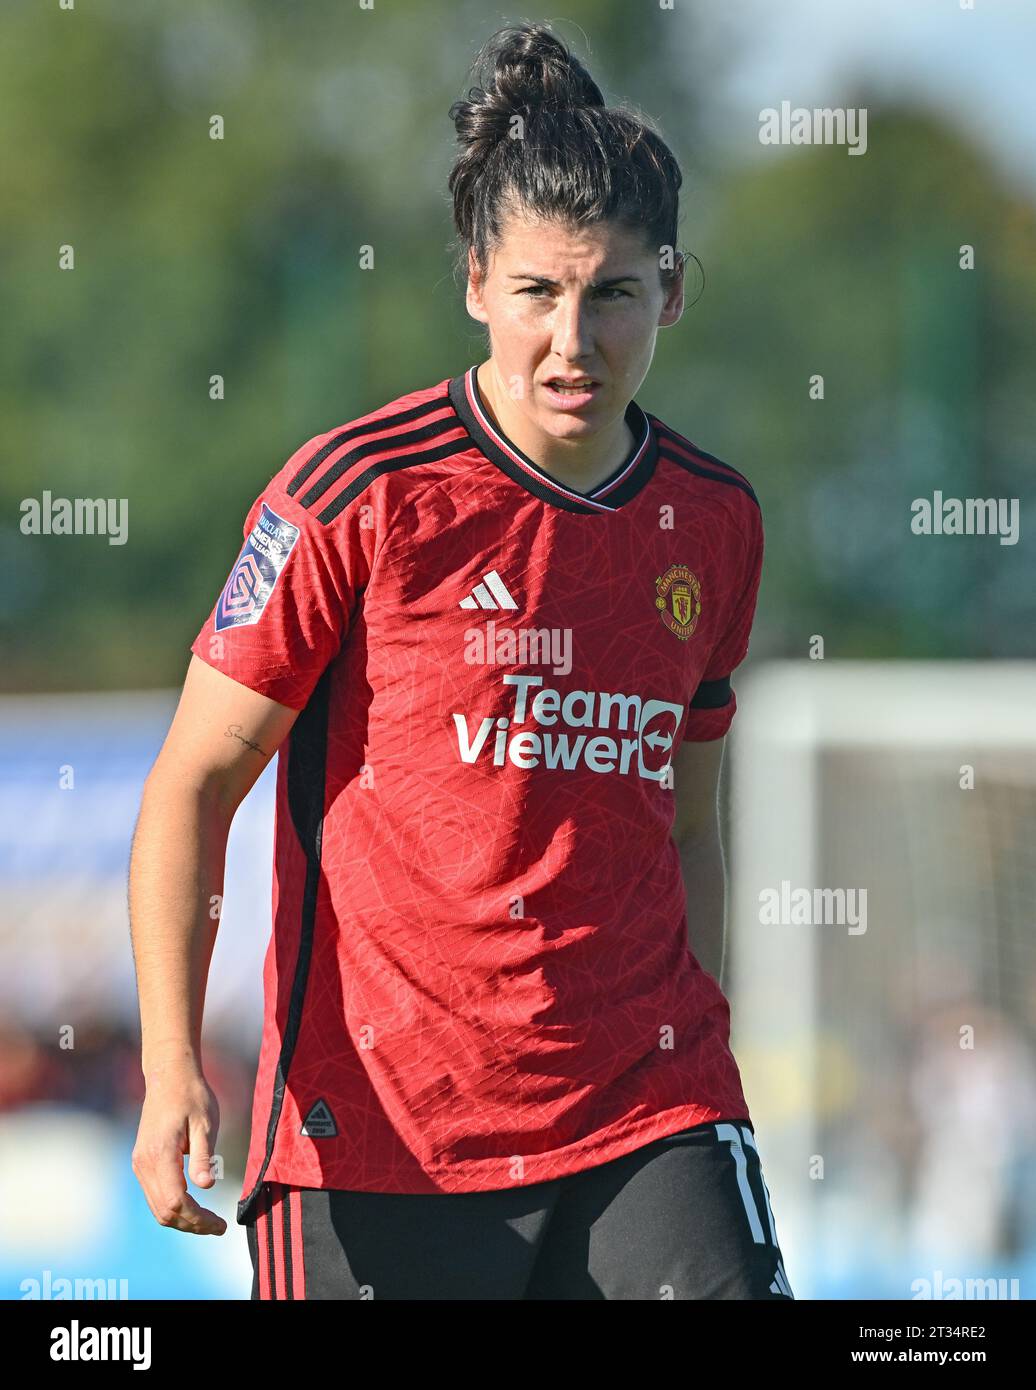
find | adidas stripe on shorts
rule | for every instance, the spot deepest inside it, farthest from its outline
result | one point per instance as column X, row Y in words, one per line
column 686, row 1217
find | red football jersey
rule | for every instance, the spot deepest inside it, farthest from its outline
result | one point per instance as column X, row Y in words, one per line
column 479, row 973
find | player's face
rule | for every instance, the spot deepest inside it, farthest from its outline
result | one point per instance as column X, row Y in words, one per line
column 549, row 315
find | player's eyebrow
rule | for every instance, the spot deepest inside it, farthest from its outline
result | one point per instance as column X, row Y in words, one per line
column 596, row 284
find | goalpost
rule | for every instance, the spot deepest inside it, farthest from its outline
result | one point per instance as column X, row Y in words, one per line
column 877, row 1056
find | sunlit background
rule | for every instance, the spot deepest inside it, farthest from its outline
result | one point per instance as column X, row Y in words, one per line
column 892, row 1152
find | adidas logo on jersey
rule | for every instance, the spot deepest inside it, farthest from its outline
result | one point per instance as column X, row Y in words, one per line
column 491, row 593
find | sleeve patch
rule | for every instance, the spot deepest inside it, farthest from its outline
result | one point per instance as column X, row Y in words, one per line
column 251, row 581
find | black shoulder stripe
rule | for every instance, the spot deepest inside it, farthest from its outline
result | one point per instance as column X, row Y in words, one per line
column 690, row 467
column 700, row 453
column 367, row 427
column 402, row 446
column 686, row 455
column 391, row 465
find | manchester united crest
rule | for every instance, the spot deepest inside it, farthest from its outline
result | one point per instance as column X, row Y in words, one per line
column 679, row 600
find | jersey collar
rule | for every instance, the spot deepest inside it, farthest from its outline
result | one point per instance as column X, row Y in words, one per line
column 608, row 496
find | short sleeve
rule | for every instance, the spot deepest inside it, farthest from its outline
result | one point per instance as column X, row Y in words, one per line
column 712, row 707
column 285, row 609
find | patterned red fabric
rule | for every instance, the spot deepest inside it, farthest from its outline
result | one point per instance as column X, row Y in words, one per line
column 479, row 972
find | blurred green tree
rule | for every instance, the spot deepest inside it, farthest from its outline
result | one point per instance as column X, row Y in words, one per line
column 241, row 259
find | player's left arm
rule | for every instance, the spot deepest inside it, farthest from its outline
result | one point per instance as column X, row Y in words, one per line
column 699, row 756
column 696, row 832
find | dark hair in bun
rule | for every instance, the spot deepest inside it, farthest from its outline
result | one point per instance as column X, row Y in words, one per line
column 569, row 157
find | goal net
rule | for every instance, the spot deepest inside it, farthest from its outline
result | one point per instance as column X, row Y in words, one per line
column 882, row 968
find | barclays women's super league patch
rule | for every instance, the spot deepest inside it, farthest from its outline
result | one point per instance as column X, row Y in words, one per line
column 264, row 555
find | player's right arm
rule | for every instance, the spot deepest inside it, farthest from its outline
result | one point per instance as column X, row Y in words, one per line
column 280, row 620
column 221, row 738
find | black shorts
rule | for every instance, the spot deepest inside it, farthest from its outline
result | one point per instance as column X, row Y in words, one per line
column 686, row 1217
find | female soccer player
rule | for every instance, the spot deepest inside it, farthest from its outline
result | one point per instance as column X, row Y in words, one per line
column 490, row 626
